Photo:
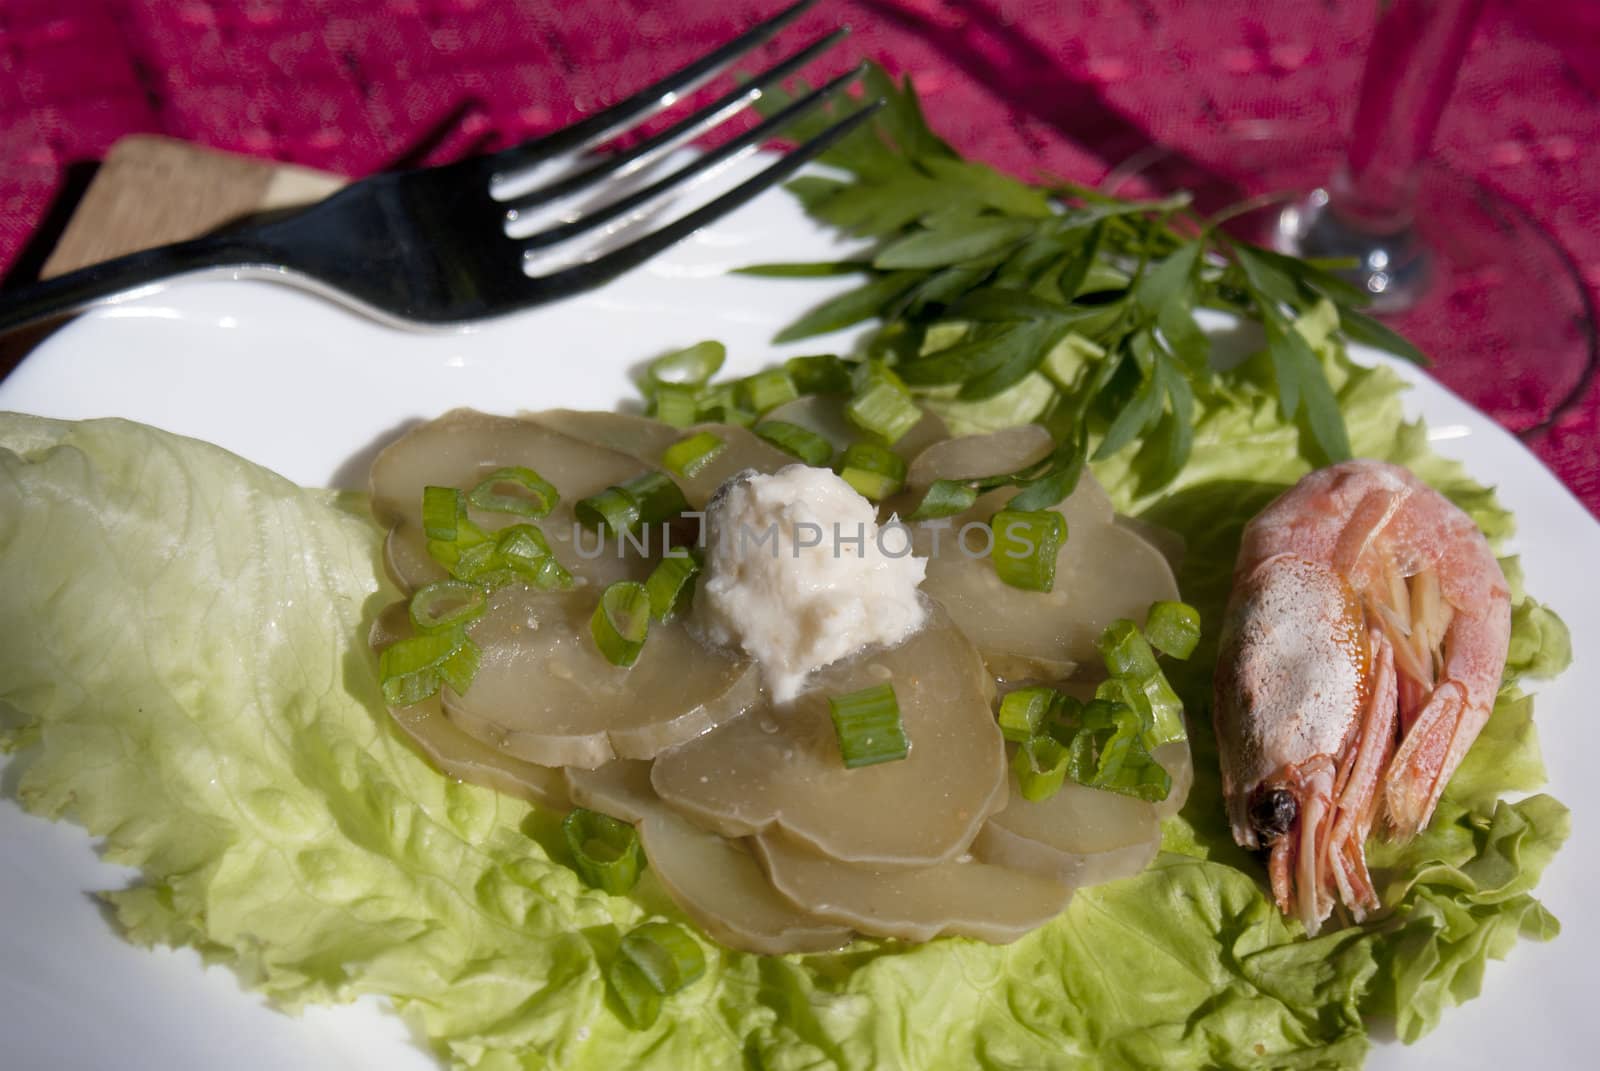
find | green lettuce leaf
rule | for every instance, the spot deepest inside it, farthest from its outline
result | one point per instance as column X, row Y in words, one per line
column 182, row 653
column 182, row 639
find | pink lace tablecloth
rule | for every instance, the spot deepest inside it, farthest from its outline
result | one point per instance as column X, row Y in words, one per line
column 1071, row 88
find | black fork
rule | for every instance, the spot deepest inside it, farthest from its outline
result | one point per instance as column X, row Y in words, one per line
column 435, row 246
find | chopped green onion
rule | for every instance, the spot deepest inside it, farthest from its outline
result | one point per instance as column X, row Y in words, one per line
column 875, row 471
column 1158, row 706
column 454, row 541
column 620, row 622
column 516, row 552
column 524, row 551
column 1108, row 752
column 658, row 497
column 649, row 498
column 1166, row 722
column 1106, row 732
column 474, row 561
column 676, row 405
column 413, row 669
column 821, row 373
column 605, row 852
column 670, row 585
column 499, row 577
column 688, row 456
column 1107, row 748
column 882, row 403
column 1026, row 543
column 468, row 556
column 868, row 726
column 523, row 544
column 447, row 553
column 613, row 510
column 1125, row 651
column 467, row 534
column 767, row 390
column 641, row 1004
column 460, row 667
column 731, row 415
column 665, row 954
column 441, row 507
column 945, row 498
column 1023, row 712
column 653, row 961
column 446, row 604
column 1173, row 628
column 692, row 366
column 803, row 443
column 1127, row 692
column 1040, row 764
column 515, row 490
column 721, row 405
column 1137, row 681
column 1065, row 715
column 551, row 575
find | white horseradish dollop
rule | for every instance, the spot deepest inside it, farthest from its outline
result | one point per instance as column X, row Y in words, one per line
column 798, row 574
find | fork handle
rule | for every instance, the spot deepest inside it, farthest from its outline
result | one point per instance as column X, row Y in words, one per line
column 75, row 290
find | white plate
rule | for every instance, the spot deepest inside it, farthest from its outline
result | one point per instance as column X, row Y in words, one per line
column 301, row 386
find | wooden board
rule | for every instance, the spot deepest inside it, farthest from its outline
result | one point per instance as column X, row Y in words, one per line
column 153, row 190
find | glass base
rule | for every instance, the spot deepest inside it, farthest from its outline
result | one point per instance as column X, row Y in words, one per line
column 1395, row 266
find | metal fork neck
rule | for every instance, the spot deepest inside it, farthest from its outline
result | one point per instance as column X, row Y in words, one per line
column 87, row 286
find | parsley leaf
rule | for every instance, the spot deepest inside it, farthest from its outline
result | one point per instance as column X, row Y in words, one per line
column 980, row 281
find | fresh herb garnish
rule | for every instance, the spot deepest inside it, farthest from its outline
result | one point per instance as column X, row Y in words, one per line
column 605, row 851
column 518, row 552
column 1173, row 628
column 1055, row 303
column 445, row 605
column 1026, row 543
column 515, row 490
column 653, row 961
column 1023, row 712
column 670, row 585
column 621, row 621
column 415, row 668
column 875, row 471
column 803, row 443
column 1108, row 742
column 649, row 498
column 688, row 456
column 868, row 725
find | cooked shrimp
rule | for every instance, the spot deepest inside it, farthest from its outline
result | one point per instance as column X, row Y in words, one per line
column 1361, row 653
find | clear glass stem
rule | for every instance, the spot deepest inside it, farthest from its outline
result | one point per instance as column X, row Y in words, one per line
column 1365, row 213
column 1417, row 49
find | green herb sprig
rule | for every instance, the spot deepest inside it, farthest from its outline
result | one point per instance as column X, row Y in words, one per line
column 1056, row 304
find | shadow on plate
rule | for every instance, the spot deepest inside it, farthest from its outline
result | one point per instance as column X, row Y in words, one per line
column 352, row 473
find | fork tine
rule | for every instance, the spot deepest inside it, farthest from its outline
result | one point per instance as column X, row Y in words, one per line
column 607, row 267
column 603, row 126
column 704, row 165
column 680, row 133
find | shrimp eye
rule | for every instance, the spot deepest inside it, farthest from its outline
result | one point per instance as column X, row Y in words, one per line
column 1272, row 812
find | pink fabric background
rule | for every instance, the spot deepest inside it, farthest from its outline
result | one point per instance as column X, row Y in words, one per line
column 1071, row 88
